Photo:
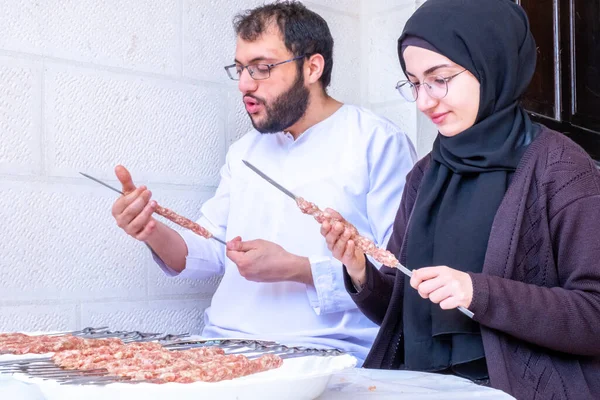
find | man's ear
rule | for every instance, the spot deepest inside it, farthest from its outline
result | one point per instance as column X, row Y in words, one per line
column 313, row 68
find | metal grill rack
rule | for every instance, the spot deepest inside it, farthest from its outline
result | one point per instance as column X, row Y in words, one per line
column 44, row 367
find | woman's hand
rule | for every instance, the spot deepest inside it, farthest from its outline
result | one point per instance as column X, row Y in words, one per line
column 445, row 286
column 344, row 249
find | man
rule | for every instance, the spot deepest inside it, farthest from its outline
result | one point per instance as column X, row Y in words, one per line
column 280, row 281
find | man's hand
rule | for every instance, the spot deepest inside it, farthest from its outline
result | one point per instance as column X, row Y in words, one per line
column 445, row 286
column 263, row 261
column 133, row 211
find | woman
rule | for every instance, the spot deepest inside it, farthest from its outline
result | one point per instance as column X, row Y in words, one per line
column 501, row 218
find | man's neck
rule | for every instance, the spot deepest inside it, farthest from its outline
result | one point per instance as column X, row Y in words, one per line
column 320, row 107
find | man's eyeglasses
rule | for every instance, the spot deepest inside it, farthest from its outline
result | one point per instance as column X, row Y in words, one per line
column 436, row 87
column 256, row 71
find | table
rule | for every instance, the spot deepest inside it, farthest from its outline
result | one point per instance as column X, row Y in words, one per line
column 349, row 385
column 384, row 384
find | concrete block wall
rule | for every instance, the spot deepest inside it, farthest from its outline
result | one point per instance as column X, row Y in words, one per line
column 382, row 22
column 85, row 85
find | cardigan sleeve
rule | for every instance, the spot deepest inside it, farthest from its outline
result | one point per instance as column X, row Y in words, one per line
column 376, row 294
column 564, row 318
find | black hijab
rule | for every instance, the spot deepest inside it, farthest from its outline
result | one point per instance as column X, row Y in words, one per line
column 470, row 172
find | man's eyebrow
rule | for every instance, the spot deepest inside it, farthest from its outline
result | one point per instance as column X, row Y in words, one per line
column 255, row 59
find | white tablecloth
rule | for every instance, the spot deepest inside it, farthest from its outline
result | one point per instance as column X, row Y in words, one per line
column 354, row 384
column 11, row 389
column 383, row 385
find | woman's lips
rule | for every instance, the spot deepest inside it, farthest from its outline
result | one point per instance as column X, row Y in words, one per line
column 438, row 118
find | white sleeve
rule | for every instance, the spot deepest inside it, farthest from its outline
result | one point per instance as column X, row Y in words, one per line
column 206, row 257
column 390, row 157
column 390, row 160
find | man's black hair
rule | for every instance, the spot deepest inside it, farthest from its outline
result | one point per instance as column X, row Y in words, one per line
column 304, row 31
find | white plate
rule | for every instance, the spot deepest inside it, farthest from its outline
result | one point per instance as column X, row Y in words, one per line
column 302, row 378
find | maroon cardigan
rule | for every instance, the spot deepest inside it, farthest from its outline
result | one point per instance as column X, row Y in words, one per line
column 538, row 297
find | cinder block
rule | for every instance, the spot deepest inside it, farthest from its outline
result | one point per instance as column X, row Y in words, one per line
column 381, row 6
column 37, row 318
column 139, row 34
column 20, row 115
column 209, row 38
column 168, row 316
column 347, row 6
column 163, row 131
column 22, row 26
column 384, row 69
column 61, row 242
column 346, row 77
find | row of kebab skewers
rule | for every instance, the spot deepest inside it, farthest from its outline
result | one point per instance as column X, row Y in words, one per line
column 117, row 360
column 365, row 245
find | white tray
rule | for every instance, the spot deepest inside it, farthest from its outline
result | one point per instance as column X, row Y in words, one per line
column 301, row 378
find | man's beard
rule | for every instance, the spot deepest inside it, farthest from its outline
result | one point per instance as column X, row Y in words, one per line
column 285, row 110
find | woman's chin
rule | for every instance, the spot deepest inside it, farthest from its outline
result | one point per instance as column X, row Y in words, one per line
column 449, row 130
column 445, row 131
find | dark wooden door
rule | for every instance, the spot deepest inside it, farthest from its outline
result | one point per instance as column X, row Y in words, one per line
column 565, row 91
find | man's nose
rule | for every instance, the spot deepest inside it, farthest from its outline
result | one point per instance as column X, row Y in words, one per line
column 246, row 83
